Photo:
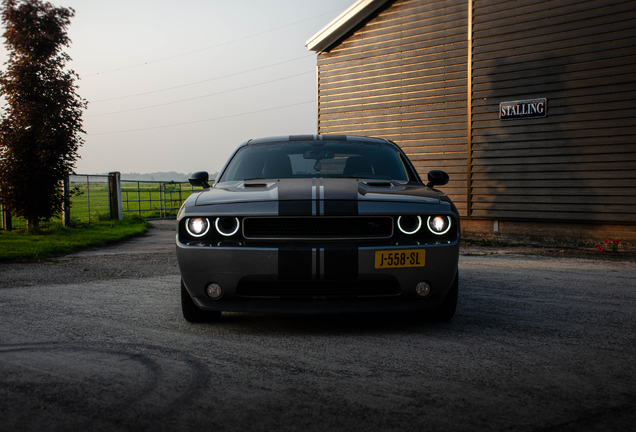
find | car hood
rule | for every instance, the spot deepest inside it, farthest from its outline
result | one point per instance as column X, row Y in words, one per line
column 316, row 189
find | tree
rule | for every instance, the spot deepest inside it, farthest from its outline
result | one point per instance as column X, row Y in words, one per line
column 41, row 125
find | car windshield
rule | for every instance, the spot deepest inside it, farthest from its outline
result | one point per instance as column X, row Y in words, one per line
column 300, row 159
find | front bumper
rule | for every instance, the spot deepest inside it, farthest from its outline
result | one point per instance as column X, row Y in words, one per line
column 327, row 269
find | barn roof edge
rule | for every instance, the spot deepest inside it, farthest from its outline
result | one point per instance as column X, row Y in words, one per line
column 342, row 24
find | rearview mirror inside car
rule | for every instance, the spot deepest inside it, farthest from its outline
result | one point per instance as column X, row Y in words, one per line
column 319, row 154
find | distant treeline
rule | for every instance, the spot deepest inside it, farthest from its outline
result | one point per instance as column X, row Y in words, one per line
column 160, row 176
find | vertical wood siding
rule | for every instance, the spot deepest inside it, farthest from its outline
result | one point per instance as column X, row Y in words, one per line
column 578, row 163
column 402, row 76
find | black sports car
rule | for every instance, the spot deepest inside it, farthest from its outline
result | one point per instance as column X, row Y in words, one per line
column 318, row 223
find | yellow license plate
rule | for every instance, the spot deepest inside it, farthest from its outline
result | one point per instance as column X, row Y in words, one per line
column 400, row 258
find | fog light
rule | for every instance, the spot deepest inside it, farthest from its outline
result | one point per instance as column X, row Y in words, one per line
column 423, row 289
column 214, row 291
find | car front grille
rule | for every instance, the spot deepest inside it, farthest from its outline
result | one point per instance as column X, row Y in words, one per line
column 317, row 289
column 319, row 227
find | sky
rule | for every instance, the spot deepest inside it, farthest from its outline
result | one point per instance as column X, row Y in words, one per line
column 177, row 86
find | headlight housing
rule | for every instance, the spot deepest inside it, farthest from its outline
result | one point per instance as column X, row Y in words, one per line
column 227, row 226
column 439, row 225
column 208, row 230
column 197, row 227
column 409, row 224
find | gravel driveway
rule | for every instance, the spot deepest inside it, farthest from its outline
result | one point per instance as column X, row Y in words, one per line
column 542, row 340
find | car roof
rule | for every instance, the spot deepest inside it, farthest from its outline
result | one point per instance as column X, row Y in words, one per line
column 326, row 137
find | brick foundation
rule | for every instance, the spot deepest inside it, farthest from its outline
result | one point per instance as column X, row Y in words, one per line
column 552, row 233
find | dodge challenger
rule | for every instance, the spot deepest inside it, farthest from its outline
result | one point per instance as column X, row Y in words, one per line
column 318, row 224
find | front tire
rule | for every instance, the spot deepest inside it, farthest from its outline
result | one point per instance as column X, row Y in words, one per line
column 446, row 309
column 192, row 313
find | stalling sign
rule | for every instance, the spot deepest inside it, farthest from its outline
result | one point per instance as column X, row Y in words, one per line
column 523, row 109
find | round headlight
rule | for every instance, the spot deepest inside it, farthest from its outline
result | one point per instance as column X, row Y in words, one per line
column 197, row 227
column 409, row 224
column 439, row 224
column 227, row 226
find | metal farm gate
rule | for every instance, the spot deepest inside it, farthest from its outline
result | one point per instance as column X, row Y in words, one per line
column 92, row 198
column 153, row 199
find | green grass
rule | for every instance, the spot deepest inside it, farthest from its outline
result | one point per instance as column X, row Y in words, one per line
column 56, row 240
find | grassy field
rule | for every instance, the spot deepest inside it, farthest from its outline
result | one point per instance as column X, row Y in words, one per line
column 58, row 240
column 89, row 202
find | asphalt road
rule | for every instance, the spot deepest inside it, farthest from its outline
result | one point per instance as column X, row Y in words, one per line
column 96, row 341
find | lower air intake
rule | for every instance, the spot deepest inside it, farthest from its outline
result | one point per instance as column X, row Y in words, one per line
column 317, row 289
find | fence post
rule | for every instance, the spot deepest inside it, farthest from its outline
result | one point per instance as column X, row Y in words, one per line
column 6, row 219
column 88, row 197
column 114, row 190
column 162, row 198
column 139, row 199
column 66, row 203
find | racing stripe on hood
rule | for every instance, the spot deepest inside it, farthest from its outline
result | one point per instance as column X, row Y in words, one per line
column 295, row 197
column 340, row 197
column 318, row 197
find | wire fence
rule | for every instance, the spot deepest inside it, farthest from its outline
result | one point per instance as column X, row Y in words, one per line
column 92, row 197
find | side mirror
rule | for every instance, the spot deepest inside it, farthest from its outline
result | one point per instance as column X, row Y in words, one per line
column 437, row 178
column 200, row 179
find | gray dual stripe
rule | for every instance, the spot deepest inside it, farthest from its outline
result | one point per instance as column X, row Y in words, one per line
column 317, row 197
column 321, row 197
column 303, row 263
column 318, row 263
column 317, row 137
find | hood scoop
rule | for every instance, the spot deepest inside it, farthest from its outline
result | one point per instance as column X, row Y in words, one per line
column 383, row 183
column 255, row 184
column 239, row 192
column 395, row 190
column 379, row 184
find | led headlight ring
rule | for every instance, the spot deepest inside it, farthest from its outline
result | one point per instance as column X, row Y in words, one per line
column 417, row 228
column 431, row 229
column 225, row 230
column 197, row 227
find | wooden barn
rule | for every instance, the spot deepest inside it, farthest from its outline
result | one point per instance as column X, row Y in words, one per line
column 528, row 105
